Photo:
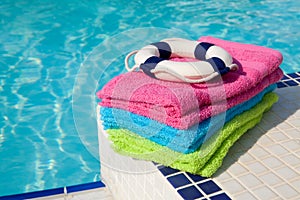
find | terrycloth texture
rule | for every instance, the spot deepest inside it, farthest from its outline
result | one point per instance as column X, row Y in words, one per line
column 183, row 105
column 245, row 51
column 184, row 141
column 208, row 158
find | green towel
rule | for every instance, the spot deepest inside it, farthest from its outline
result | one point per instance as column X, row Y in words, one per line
column 208, row 158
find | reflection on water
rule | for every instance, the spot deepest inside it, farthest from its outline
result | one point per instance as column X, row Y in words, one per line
column 44, row 43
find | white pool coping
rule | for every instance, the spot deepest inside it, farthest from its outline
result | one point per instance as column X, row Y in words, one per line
column 263, row 164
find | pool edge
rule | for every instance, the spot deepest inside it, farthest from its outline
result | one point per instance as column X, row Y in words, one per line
column 55, row 191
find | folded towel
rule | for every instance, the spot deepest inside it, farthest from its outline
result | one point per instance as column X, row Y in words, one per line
column 184, row 141
column 208, row 158
column 247, row 52
column 182, row 105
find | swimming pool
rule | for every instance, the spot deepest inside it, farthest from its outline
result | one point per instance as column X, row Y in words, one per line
column 48, row 134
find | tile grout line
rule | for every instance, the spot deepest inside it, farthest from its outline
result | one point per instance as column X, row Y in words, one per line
column 279, row 158
column 271, row 187
column 279, row 167
column 246, row 189
column 226, row 192
column 236, row 179
column 284, row 133
column 203, row 181
column 274, row 172
column 193, row 183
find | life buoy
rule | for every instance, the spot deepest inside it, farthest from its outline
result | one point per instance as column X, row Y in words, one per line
column 153, row 60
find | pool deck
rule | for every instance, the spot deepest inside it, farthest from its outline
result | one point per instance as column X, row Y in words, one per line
column 263, row 164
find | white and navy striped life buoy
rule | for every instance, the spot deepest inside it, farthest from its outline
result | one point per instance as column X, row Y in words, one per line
column 154, row 61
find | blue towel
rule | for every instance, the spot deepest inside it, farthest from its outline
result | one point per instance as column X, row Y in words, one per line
column 183, row 141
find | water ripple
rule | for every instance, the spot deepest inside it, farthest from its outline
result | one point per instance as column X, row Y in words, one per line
column 44, row 43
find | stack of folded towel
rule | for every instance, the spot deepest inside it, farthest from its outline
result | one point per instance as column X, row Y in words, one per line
column 190, row 127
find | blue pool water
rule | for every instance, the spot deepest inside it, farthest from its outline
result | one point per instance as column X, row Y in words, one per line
column 48, row 135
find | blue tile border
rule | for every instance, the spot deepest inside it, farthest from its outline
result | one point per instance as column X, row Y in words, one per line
column 186, row 188
column 293, row 75
column 196, row 178
column 291, row 79
column 31, row 195
column 191, row 186
column 167, row 170
column 190, row 193
column 222, row 196
column 281, row 85
column 209, row 187
column 199, row 186
column 56, row 191
column 179, row 180
column 86, row 186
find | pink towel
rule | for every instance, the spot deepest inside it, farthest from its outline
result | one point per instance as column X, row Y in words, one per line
column 182, row 105
column 249, row 52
